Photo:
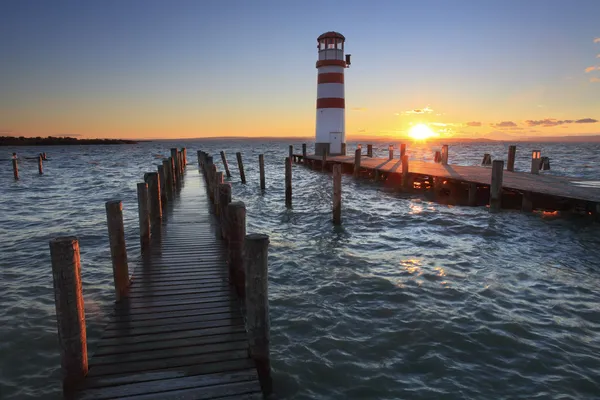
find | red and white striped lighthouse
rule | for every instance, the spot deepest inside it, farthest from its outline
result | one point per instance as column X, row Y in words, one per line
column 331, row 105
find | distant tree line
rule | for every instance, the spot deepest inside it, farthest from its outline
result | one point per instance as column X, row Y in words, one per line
column 56, row 141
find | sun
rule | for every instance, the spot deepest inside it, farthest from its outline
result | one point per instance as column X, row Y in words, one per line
column 421, row 132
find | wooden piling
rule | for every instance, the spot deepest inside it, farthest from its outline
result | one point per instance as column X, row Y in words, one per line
column 212, row 178
column 512, row 152
column 143, row 214
column 288, row 182
column 224, row 200
column 324, row 160
column 70, row 312
column 154, row 195
column 168, row 188
column 163, row 184
column 405, row 173
column 175, row 157
column 369, row 150
column 40, row 165
column 118, row 250
column 445, row 154
column 241, row 166
column 391, row 152
column 218, row 181
column 304, row 161
column 357, row 163
column 257, row 306
column 225, row 165
column 236, row 232
column 496, row 186
column 291, row 151
column 15, row 164
column 472, row 194
column 535, row 161
column 437, row 158
column 261, row 167
column 402, row 150
column 337, row 194
column 184, row 157
column 527, row 202
column 343, row 149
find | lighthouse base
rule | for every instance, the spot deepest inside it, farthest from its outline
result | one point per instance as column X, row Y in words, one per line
column 326, row 147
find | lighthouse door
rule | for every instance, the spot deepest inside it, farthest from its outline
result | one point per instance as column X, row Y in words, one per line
column 335, row 143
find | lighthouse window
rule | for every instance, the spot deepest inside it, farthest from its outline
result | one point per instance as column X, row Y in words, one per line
column 330, row 44
column 340, row 45
column 322, row 43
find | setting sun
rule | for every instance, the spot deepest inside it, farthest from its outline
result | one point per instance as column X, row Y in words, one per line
column 421, row 132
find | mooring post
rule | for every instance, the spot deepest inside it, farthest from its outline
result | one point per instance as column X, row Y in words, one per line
column 437, row 158
column 405, row 173
column 173, row 175
column 225, row 165
column 168, row 188
column 199, row 154
column 163, row 183
column 257, row 305
column 118, row 250
column 391, row 151
column 402, row 150
column 288, row 182
column 324, row 160
column 15, row 163
column 184, row 156
column 212, row 178
column 40, row 165
column 343, row 149
column 445, row 154
column 175, row 157
column 512, row 152
column 369, row 150
column 472, row 194
column 527, row 202
column 357, row 163
column 216, row 196
column 291, row 147
column 236, row 232
column 535, row 161
column 261, row 167
column 241, row 166
column 224, row 200
column 304, row 153
column 143, row 214
column 154, row 194
column 496, row 186
column 70, row 312
column 337, row 194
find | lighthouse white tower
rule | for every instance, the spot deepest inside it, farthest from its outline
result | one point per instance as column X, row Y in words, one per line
column 331, row 104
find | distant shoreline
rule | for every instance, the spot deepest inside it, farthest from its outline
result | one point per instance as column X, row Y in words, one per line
column 57, row 141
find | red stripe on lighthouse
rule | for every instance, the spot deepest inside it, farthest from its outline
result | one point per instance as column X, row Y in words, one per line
column 331, row 77
column 331, row 103
column 339, row 63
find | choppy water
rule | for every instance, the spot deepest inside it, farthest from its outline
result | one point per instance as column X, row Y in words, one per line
column 408, row 299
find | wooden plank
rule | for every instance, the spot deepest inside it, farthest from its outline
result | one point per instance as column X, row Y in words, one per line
column 157, row 315
column 188, row 299
column 183, row 326
column 211, row 303
column 129, row 324
column 241, row 390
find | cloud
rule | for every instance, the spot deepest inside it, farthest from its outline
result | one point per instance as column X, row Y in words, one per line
column 594, row 79
column 362, row 130
column 586, row 121
column 594, row 68
column 598, row 56
column 504, row 124
column 425, row 110
column 597, row 40
column 473, row 123
column 359, row 109
column 555, row 122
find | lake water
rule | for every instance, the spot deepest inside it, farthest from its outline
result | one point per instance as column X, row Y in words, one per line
column 408, row 299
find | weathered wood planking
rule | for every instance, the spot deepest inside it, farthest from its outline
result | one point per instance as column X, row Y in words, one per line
column 180, row 333
column 559, row 186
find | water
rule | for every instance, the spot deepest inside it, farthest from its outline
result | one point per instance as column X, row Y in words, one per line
column 408, row 299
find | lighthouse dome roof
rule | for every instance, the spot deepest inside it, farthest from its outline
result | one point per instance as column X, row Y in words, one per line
column 331, row 35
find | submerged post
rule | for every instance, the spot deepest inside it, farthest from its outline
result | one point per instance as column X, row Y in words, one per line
column 496, row 186
column 261, row 167
column 257, row 305
column 225, row 165
column 304, row 153
column 405, row 173
column 241, row 166
column 15, row 163
column 70, row 312
column 236, row 232
column 288, row 182
column 445, row 154
column 144, row 214
column 337, row 194
column 40, row 165
column 154, row 194
column 357, row 163
column 224, row 200
column 512, row 151
column 118, row 250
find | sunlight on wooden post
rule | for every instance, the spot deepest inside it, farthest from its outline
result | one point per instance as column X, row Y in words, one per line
column 70, row 311
column 304, row 153
column 184, row 157
column 445, row 154
column 40, row 165
column 535, row 161
column 405, row 173
column 402, row 150
column 224, row 200
column 175, row 157
column 241, row 166
column 288, row 182
column 143, row 214
column 225, row 165
column 512, row 152
column 154, row 194
column 118, row 250
column 369, row 150
column 337, row 194
column 391, row 152
column 256, row 250
column 15, row 164
column 357, row 163
column 496, row 186
column 236, row 232
column 261, row 167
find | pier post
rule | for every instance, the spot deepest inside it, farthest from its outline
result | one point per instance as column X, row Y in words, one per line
column 291, row 147
column 216, row 196
column 535, row 161
column 163, row 184
column 236, row 232
column 15, row 163
column 357, row 162
column 304, row 153
column 40, row 165
column 369, row 150
column 172, row 174
column 257, row 305
column 224, row 200
column 184, row 157
column 402, row 149
column 225, row 165
column 343, row 149
column 324, row 160
column 496, row 186
column 70, row 312
column 212, row 178
column 241, row 166
column 143, row 214
column 261, row 167
column 154, row 194
column 512, row 152
column 405, row 173
column 288, row 182
column 176, row 169
column 118, row 250
column 199, row 154
column 472, row 194
column 527, row 202
column 168, row 178
column 391, row 151
column 337, row 194
column 445, row 154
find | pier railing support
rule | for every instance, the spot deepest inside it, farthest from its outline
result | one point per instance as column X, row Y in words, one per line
column 118, row 250
column 496, row 186
column 144, row 214
column 261, row 167
column 236, row 232
column 70, row 312
column 337, row 194
column 357, row 153
column 288, row 182
column 257, row 305
column 512, row 152
column 241, row 166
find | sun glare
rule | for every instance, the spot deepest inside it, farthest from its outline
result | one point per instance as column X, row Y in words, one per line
column 421, row 132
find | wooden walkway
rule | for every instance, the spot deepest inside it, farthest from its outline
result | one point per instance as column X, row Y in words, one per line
column 551, row 185
column 180, row 334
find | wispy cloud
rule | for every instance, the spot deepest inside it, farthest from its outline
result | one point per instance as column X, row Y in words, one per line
column 594, row 79
column 598, row 56
column 586, row 121
column 425, row 110
column 359, row 109
column 473, row 123
column 597, row 40
column 593, row 68
column 504, row 124
column 555, row 122
column 7, row 132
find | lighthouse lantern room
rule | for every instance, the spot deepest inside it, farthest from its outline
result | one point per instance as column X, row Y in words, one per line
column 330, row 129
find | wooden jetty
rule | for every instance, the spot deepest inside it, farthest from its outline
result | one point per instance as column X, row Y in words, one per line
column 469, row 185
column 179, row 331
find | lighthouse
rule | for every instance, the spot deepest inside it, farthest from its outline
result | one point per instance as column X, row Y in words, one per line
column 331, row 104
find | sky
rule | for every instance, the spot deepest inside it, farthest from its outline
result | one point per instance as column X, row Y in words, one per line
column 182, row 69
